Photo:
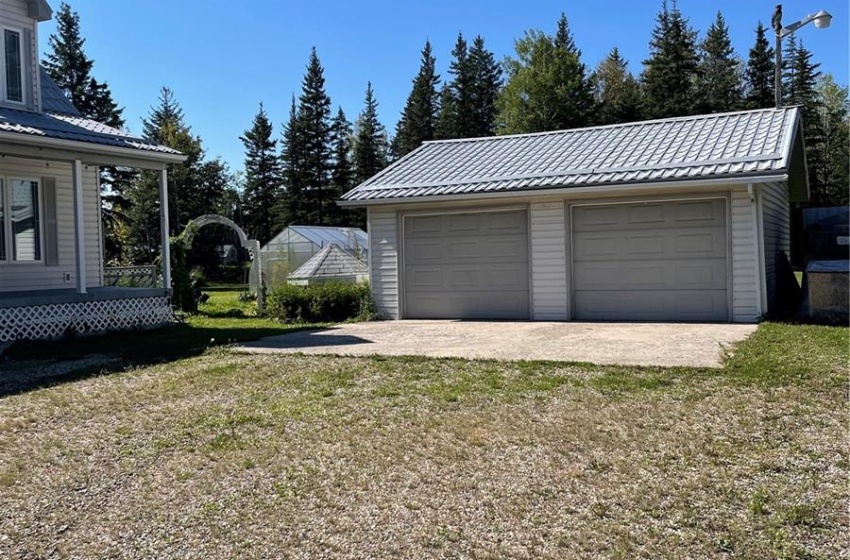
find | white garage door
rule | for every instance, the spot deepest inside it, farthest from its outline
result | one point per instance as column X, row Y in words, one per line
column 466, row 266
column 661, row 261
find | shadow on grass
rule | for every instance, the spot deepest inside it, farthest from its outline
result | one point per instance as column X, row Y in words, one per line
column 27, row 364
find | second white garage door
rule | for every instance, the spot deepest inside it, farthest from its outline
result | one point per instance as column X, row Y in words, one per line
column 656, row 261
column 466, row 266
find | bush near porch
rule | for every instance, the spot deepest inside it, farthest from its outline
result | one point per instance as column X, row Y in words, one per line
column 329, row 302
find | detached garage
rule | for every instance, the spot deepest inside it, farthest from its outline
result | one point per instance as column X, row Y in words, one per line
column 668, row 220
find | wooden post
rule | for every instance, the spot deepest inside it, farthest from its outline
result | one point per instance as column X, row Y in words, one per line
column 79, row 225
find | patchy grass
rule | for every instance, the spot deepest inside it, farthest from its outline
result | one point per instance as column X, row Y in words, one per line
column 232, row 455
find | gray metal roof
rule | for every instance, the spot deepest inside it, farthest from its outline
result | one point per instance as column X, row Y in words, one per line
column 745, row 143
column 330, row 262
column 60, row 120
column 53, row 99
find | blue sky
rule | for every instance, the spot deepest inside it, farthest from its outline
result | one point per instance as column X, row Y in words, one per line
column 223, row 58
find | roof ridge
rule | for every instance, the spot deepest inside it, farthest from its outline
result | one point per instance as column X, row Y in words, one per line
column 783, row 109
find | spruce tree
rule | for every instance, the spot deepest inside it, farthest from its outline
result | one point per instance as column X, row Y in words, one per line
column 759, row 75
column 462, row 85
column 548, row 87
column 486, row 83
column 314, row 136
column 718, row 82
column 418, row 121
column 370, row 141
column 262, row 178
column 618, row 95
column 670, row 72
column 447, row 125
column 291, row 207
column 341, row 171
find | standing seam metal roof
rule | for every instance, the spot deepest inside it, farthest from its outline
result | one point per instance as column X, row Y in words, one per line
column 695, row 147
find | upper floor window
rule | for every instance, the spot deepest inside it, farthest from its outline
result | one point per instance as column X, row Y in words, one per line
column 13, row 77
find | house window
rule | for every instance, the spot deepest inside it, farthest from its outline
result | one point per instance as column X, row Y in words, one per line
column 20, row 217
column 13, row 89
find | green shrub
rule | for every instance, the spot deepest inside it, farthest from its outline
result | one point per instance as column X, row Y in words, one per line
column 321, row 303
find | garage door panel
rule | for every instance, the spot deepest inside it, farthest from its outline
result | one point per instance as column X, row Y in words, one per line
column 657, row 261
column 660, row 305
column 696, row 274
column 669, row 243
column 472, row 266
column 650, row 215
column 460, row 277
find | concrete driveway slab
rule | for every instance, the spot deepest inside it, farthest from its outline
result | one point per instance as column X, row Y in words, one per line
column 644, row 344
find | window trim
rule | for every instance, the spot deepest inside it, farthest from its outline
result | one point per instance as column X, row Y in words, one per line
column 4, row 91
column 5, row 184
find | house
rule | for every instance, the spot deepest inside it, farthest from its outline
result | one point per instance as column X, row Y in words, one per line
column 666, row 220
column 331, row 264
column 295, row 245
column 51, row 238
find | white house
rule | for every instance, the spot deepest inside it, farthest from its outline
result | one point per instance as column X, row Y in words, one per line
column 667, row 220
column 51, row 238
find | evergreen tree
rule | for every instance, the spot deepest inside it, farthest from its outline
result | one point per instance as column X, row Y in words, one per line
column 548, row 87
column 718, row 83
column 370, row 141
column 618, row 95
column 418, row 121
column 670, row 72
column 759, row 75
column 262, row 178
column 341, row 171
column 314, row 136
column 447, row 125
column 68, row 66
column 835, row 117
column 291, row 207
column 462, row 85
column 486, row 83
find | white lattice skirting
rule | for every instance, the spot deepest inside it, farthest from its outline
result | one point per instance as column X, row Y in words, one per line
column 82, row 317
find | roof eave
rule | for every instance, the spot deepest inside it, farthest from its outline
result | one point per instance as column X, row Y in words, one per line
column 89, row 151
column 539, row 192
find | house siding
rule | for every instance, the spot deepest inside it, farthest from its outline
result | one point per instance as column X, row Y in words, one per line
column 745, row 288
column 776, row 231
column 384, row 261
column 548, row 261
column 38, row 276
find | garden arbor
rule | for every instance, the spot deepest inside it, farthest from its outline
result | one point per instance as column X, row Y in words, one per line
column 251, row 244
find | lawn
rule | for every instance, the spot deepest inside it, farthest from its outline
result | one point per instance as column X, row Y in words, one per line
column 216, row 454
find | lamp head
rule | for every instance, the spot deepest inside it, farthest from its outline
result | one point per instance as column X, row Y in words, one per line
column 822, row 19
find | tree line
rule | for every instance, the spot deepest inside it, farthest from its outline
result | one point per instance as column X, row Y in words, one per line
column 297, row 174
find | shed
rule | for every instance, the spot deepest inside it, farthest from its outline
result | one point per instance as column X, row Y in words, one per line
column 665, row 220
column 331, row 264
column 296, row 244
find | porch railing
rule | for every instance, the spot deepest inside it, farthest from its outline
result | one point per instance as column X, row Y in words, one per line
column 146, row 276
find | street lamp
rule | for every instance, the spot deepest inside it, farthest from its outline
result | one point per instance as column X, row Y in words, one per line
column 822, row 20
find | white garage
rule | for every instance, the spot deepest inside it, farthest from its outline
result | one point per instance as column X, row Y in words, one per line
column 668, row 220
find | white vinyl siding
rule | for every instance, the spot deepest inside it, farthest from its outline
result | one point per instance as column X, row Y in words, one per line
column 383, row 261
column 745, row 288
column 776, row 216
column 20, row 276
column 548, row 261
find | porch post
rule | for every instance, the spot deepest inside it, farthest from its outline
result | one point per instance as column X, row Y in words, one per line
column 163, row 226
column 79, row 225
